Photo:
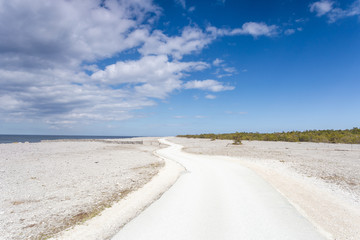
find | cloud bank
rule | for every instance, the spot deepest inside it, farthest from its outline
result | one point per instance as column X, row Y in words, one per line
column 64, row 62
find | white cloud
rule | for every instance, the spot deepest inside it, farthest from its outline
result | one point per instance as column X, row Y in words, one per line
column 210, row 85
column 192, row 8
column 257, row 29
column 157, row 75
column 254, row 29
column 54, row 99
column 300, row 20
column 289, row 31
column 222, row 69
column 321, row 7
column 209, row 96
column 217, row 62
column 327, row 8
column 148, row 69
column 69, row 32
column 48, row 48
column 192, row 39
column 158, row 90
column 182, row 3
column 230, row 69
column 42, row 49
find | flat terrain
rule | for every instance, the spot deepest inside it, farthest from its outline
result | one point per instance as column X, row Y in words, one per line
column 218, row 199
column 321, row 180
column 228, row 192
column 46, row 187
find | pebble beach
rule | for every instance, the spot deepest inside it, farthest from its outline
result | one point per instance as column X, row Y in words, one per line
column 49, row 186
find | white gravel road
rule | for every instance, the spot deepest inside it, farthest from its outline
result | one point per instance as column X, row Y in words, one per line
column 218, row 199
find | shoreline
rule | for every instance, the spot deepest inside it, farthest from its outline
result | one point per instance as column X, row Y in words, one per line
column 50, row 186
column 332, row 209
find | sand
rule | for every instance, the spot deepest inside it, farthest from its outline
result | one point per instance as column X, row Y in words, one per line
column 49, row 186
column 321, row 180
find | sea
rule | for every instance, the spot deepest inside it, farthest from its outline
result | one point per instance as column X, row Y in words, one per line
column 38, row 138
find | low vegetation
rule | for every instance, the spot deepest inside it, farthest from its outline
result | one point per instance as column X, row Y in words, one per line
column 351, row 136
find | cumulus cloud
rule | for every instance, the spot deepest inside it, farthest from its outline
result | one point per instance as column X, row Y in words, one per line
column 209, row 85
column 148, row 69
column 255, row 29
column 192, row 39
column 42, row 50
column 210, row 96
column 321, row 7
column 27, row 95
column 39, row 34
column 50, row 54
column 327, row 8
column 154, row 76
column 217, row 62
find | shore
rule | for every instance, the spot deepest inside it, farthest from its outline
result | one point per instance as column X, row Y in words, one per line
column 49, row 186
column 321, row 180
column 53, row 185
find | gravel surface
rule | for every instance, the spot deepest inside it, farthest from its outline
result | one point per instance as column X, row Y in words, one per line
column 218, row 199
column 322, row 180
column 49, row 186
column 337, row 164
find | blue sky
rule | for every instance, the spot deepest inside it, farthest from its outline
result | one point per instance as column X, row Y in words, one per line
column 169, row 67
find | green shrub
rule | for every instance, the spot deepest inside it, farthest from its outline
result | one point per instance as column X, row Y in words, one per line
column 351, row 136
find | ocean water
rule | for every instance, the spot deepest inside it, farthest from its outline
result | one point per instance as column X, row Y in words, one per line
column 38, row 138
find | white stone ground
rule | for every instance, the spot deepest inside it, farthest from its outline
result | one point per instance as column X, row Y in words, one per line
column 218, row 198
column 46, row 187
column 321, row 180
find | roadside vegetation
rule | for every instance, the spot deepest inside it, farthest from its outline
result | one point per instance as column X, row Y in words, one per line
column 350, row 136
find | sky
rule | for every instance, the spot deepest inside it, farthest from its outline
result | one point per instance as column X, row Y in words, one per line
column 169, row 67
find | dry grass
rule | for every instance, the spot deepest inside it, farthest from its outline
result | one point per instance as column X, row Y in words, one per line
column 338, row 179
column 84, row 216
column 19, row 202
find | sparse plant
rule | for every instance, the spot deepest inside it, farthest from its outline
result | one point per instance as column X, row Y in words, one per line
column 237, row 142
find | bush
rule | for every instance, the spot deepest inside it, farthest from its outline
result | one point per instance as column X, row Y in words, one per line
column 351, row 136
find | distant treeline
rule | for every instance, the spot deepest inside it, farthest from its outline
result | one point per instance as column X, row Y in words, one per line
column 351, row 136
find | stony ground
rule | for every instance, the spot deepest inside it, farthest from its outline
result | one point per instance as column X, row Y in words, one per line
column 321, row 180
column 46, row 187
column 337, row 164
